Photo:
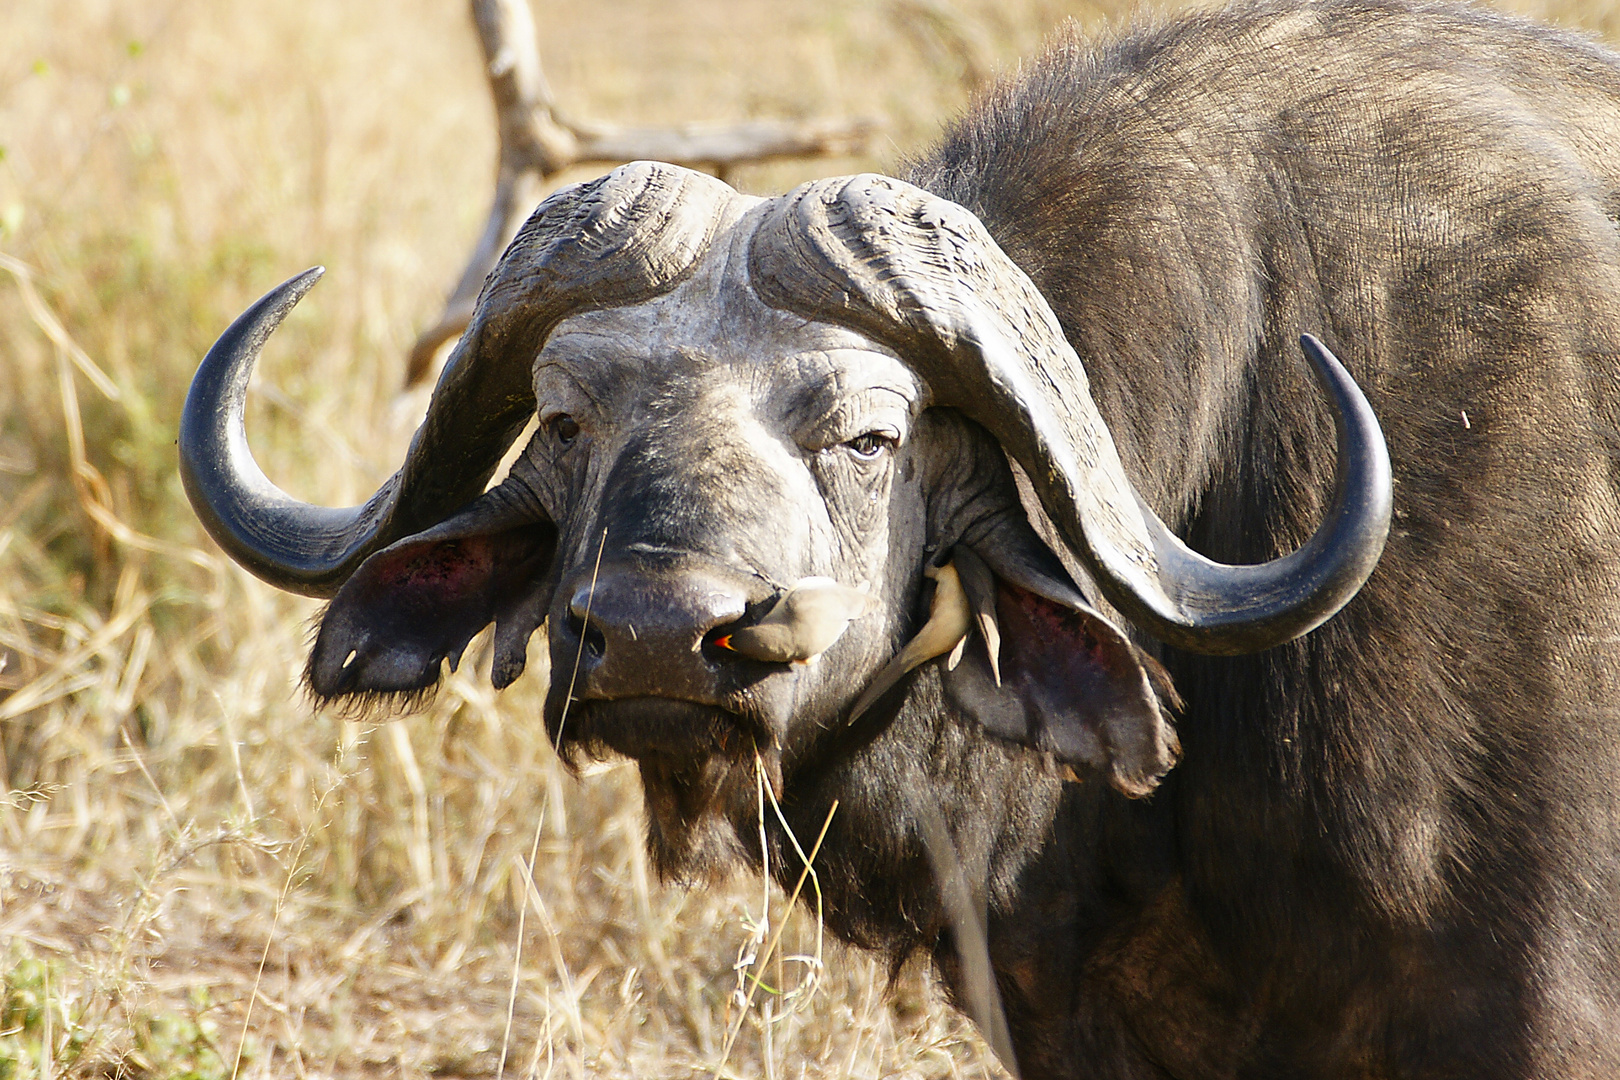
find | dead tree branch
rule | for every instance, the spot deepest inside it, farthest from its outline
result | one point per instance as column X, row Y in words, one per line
column 536, row 143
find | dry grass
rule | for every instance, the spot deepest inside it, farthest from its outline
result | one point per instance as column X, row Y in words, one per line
column 193, row 864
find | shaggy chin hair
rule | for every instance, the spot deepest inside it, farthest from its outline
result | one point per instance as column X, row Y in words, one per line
column 697, row 820
column 698, row 775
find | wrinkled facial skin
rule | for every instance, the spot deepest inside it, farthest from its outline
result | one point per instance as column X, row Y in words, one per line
column 702, row 456
column 725, row 521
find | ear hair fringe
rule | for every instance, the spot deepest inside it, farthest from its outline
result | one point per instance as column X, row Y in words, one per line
column 376, row 706
column 1159, row 679
column 370, row 705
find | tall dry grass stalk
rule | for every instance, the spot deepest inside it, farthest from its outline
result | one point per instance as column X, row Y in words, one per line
column 200, row 875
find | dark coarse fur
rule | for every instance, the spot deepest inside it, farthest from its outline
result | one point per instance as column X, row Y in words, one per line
column 1392, row 847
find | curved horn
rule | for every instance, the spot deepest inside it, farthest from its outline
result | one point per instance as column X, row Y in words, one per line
column 625, row 237
column 284, row 541
column 923, row 275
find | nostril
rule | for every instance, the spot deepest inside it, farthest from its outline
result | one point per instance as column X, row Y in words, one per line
column 592, row 640
column 640, row 632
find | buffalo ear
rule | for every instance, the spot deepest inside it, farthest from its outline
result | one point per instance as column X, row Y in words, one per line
column 419, row 601
column 1066, row 680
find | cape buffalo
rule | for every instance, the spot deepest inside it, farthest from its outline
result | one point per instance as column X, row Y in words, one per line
column 884, row 480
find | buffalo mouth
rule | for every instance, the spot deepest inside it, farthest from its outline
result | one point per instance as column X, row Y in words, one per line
column 698, row 774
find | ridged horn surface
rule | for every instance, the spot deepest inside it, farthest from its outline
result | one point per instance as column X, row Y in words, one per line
column 620, row 239
column 922, row 275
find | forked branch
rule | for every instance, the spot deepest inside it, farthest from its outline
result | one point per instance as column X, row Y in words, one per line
column 536, row 144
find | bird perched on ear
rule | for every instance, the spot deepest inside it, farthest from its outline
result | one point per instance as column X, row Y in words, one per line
column 801, row 625
column 950, row 617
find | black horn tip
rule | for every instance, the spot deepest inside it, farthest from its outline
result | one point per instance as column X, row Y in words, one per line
column 1318, row 353
column 287, row 543
column 1232, row 609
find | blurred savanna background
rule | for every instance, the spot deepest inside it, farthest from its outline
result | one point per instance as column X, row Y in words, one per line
column 202, row 876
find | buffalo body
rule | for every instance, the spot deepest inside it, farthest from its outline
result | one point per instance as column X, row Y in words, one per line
column 777, row 437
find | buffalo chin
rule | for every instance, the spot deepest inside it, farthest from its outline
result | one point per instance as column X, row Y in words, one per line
column 697, row 775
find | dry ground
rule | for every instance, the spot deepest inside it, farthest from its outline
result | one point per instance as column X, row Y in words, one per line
column 198, row 873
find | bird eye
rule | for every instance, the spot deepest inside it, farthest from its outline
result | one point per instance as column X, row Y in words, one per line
column 564, row 428
column 868, row 446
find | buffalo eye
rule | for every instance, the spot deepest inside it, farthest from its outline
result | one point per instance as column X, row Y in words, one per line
column 564, row 428
column 867, row 447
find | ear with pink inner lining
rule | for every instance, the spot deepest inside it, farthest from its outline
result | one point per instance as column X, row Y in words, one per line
column 1071, row 683
column 418, row 602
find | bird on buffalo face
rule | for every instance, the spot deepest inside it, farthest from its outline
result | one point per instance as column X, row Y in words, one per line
column 1038, row 410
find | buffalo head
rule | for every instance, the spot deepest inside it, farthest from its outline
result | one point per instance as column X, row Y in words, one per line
column 775, row 467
